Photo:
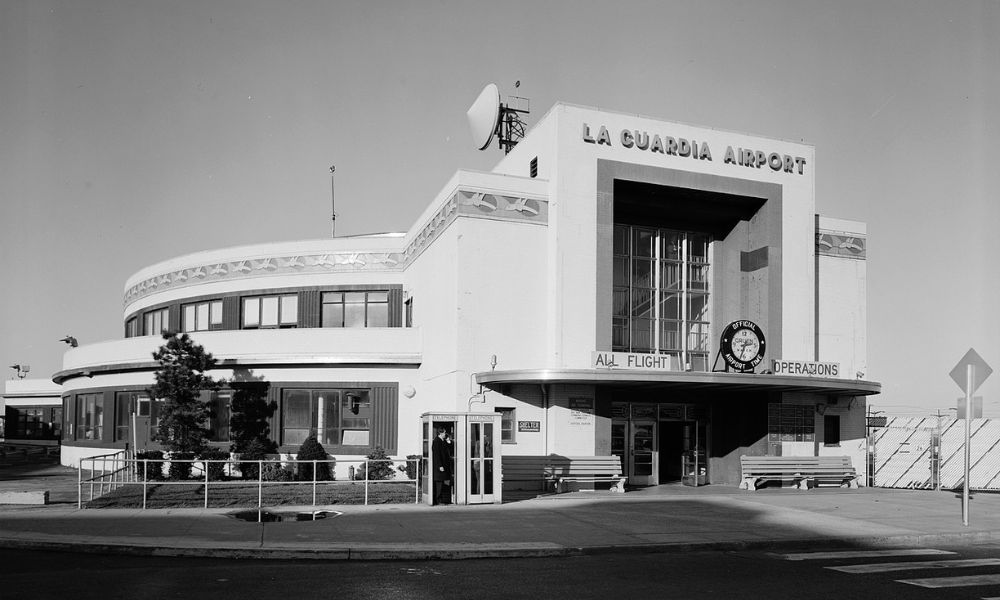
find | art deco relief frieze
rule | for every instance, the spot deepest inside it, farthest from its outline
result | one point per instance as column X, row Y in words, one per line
column 462, row 203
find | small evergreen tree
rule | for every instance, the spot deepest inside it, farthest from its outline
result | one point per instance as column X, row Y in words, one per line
column 311, row 449
column 180, row 379
column 254, row 451
column 250, row 412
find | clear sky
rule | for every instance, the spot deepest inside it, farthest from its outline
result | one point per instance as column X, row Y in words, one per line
column 135, row 131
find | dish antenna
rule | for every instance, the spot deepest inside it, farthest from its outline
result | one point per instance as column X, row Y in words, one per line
column 489, row 118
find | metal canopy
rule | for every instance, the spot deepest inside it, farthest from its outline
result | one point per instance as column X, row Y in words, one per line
column 686, row 381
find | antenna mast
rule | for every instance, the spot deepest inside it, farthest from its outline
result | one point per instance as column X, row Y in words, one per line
column 510, row 128
column 333, row 205
column 490, row 118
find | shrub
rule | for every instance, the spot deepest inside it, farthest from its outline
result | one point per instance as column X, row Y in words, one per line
column 273, row 471
column 154, row 466
column 412, row 466
column 216, row 470
column 180, row 468
column 380, row 467
column 254, row 451
column 311, row 449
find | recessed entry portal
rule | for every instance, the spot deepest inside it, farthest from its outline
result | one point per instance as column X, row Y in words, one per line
column 661, row 443
column 678, row 253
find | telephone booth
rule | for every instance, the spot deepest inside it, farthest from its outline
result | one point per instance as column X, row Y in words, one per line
column 475, row 456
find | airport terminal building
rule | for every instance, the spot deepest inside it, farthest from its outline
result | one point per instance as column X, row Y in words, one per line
column 617, row 284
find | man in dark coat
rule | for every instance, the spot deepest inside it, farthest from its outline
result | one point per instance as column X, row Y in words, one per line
column 442, row 468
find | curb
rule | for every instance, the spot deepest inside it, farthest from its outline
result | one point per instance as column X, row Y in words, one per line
column 463, row 551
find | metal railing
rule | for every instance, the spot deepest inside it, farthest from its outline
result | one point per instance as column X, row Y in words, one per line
column 110, row 472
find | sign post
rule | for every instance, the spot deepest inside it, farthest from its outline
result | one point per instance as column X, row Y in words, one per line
column 969, row 374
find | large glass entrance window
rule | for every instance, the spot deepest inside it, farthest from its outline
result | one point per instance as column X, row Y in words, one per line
column 661, row 294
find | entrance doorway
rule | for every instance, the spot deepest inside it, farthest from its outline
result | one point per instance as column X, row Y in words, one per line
column 659, row 443
column 642, row 464
column 676, row 438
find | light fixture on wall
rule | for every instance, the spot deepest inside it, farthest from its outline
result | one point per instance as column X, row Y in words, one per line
column 409, row 392
column 70, row 340
column 22, row 370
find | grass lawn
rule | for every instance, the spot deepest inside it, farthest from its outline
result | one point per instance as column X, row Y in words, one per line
column 240, row 494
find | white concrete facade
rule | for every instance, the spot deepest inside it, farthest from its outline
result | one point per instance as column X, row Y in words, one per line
column 501, row 294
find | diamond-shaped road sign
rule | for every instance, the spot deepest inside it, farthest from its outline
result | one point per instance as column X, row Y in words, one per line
column 980, row 371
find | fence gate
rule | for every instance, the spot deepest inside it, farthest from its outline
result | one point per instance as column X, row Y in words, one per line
column 930, row 452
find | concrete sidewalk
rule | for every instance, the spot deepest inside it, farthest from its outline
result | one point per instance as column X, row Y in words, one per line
column 664, row 518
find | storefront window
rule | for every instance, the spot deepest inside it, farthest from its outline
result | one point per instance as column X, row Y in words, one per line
column 90, row 416
column 338, row 417
column 126, row 404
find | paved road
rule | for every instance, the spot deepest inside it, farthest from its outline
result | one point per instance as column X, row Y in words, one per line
column 694, row 575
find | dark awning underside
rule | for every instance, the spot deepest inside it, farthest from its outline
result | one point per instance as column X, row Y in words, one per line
column 682, row 381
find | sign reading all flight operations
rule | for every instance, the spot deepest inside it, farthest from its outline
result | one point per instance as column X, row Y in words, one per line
column 630, row 360
column 805, row 367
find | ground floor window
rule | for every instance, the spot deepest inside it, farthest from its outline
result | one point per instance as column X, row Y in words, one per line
column 33, row 422
column 90, row 416
column 127, row 404
column 791, row 423
column 507, row 428
column 337, row 416
column 831, row 430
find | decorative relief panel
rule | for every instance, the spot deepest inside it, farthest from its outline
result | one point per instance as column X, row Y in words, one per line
column 464, row 203
column 841, row 244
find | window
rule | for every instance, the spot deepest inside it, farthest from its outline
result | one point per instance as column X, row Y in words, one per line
column 157, row 321
column 661, row 294
column 791, row 423
column 90, row 416
column 132, row 327
column 32, row 422
column 202, row 316
column 355, row 309
column 507, row 427
column 127, row 404
column 270, row 311
column 831, row 430
column 221, row 403
column 339, row 417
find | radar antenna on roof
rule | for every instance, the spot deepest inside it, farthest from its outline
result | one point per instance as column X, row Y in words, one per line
column 489, row 117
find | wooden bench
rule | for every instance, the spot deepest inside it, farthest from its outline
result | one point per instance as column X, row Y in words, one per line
column 802, row 471
column 540, row 473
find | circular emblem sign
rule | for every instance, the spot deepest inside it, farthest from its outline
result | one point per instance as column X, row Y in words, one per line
column 742, row 345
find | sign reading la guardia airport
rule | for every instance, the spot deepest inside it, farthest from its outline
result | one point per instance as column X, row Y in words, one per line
column 654, row 143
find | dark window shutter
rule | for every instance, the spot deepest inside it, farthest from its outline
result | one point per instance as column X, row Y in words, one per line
column 231, row 312
column 309, row 308
column 385, row 418
column 396, row 307
column 174, row 316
